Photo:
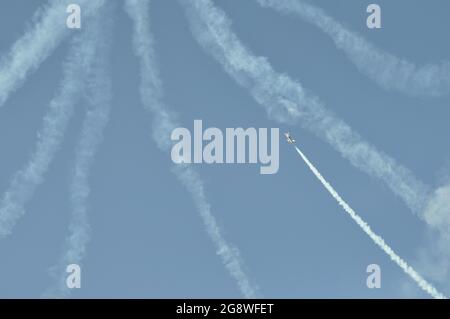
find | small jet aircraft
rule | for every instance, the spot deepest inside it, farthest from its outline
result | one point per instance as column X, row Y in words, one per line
column 289, row 138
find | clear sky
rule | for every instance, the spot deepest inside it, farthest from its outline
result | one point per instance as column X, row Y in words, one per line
column 147, row 237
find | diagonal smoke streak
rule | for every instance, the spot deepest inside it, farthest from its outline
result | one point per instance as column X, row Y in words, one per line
column 99, row 94
column 288, row 102
column 151, row 95
column 435, row 258
column 391, row 72
column 387, row 70
column 46, row 31
column 51, row 134
column 378, row 240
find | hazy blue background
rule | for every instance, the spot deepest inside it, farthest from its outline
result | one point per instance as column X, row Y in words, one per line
column 147, row 237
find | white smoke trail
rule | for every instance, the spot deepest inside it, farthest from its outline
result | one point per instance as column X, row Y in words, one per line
column 51, row 134
column 376, row 238
column 151, row 96
column 99, row 95
column 47, row 30
column 387, row 70
column 288, row 102
column 390, row 72
column 435, row 257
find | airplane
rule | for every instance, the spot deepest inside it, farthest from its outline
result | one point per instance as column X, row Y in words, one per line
column 289, row 138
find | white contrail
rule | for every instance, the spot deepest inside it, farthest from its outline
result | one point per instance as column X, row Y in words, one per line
column 288, row 102
column 151, row 96
column 99, row 96
column 376, row 238
column 47, row 29
column 387, row 70
column 436, row 257
column 51, row 134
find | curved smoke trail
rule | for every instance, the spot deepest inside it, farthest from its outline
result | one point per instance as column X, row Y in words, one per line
column 387, row 70
column 151, row 95
column 288, row 102
column 47, row 30
column 99, row 98
column 378, row 240
column 51, row 134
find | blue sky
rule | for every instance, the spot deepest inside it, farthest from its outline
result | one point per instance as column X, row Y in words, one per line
column 147, row 238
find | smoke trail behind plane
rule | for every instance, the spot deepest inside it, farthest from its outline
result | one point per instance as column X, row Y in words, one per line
column 99, row 98
column 387, row 70
column 164, row 123
column 378, row 240
column 51, row 134
column 286, row 101
column 46, row 31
